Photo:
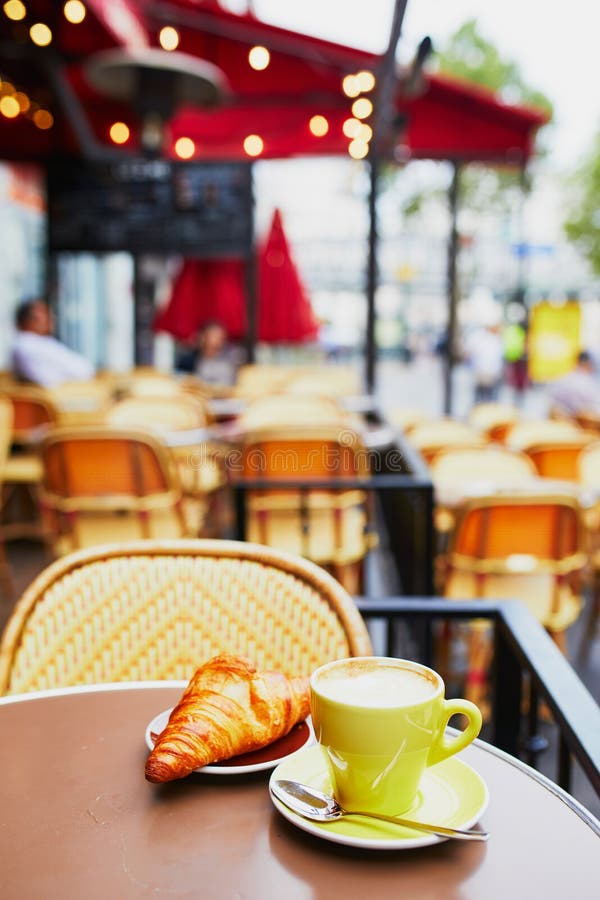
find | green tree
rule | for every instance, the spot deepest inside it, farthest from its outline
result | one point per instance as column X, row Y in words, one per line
column 583, row 225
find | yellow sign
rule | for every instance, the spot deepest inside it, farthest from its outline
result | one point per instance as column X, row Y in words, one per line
column 554, row 340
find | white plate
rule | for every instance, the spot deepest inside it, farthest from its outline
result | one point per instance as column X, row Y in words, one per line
column 451, row 793
column 301, row 735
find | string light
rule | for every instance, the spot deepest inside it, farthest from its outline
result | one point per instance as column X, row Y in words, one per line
column 185, row 147
column 43, row 119
column 40, row 34
column 9, row 107
column 365, row 81
column 253, row 145
column 358, row 149
column 259, row 58
column 119, row 133
column 365, row 132
column 350, row 86
column 74, row 11
column 23, row 101
column 168, row 38
column 351, row 128
column 15, row 10
column 319, row 126
column 362, row 108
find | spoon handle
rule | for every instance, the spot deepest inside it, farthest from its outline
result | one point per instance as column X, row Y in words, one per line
column 442, row 830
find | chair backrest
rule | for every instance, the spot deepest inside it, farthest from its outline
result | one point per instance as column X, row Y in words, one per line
column 99, row 466
column 149, row 382
column 431, row 437
column 494, row 419
column 32, row 409
column 559, row 459
column 289, row 410
column 588, row 465
column 156, row 610
column 496, row 464
column 178, row 412
column 6, row 427
column 304, row 452
column 524, row 434
column 517, row 531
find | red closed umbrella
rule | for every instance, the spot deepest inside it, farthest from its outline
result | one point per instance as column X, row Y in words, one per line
column 205, row 290
column 284, row 311
column 214, row 289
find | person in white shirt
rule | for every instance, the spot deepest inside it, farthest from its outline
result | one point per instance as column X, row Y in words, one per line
column 485, row 353
column 40, row 358
column 579, row 390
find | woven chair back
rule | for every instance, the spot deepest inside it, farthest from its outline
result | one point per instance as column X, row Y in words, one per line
column 304, row 452
column 6, row 427
column 559, row 459
column 496, row 464
column 104, row 462
column 289, row 410
column 32, row 409
column 179, row 412
column 588, row 465
column 156, row 610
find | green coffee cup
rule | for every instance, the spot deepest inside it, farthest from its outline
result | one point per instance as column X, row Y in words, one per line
column 381, row 722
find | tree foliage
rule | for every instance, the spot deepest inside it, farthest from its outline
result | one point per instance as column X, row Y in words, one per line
column 583, row 225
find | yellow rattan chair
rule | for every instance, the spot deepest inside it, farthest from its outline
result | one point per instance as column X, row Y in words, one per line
column 146, row 381
column 6, row 420
column 290, row 410
column 106, row 484
column 588, row 466
column 431, row 438
column 178, row 418
column 494, row 419
column 525, row 434
column 156, row 610
column 82, row 402
column 33, row 413
column 332, row 527
column 526, row 545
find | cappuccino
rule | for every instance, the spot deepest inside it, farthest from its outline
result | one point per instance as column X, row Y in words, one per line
column 367, row 683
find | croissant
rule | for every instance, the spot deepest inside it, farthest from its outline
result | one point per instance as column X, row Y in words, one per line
column 228, row 708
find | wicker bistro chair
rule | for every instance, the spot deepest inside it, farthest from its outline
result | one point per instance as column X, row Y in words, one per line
column 588, row 471
column 494, row 419
column 290, row 410
column 156, row 610
column 431, row 438
column 199, row 461
column 82, row 402
column 558, row 459
column 103, row 484
column 6, row 420
column 524, row 544
column 33, row 413
column 330, row 527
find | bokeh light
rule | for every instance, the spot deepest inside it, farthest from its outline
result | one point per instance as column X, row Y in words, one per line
column 43, row 119
column 15, row 10
column 362, row 108
column 9, row 107
column 365, row 80
column 253, row 145
column 350, row 86
column 358, row 149
column 319, row 126
column 23, row 101
column 351, row 128
column 74, row 11
column 185, row 147
column 168, row 38
column 259, row 58
column 119, row 132
column 40, row 34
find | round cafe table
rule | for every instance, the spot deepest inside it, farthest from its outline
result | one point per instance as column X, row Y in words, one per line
column 78, row 820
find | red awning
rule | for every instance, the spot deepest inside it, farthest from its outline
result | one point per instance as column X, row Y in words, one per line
column 449, row 119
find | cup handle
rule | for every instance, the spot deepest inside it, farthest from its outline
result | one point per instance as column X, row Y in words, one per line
column 444, row 747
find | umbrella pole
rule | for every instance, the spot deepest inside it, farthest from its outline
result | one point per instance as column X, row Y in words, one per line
column 251, row 308
column 452, row 286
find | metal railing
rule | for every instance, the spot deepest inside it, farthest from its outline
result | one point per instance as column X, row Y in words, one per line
column 521, row 646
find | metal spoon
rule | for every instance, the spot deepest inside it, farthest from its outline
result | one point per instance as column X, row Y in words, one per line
column 312, row 804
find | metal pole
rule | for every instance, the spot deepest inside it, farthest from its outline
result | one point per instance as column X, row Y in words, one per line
column 370, row 344
column 252, row 298
column 452, row 286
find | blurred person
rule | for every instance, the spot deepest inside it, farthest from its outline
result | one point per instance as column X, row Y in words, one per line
column 213, row 359
column 40, row 358
column 485, row 353
column 579, row 390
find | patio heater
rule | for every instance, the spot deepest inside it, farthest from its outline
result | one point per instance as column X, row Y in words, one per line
column 156, row 83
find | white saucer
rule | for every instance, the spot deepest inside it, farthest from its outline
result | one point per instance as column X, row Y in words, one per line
column 451, row 794
column 301, row 735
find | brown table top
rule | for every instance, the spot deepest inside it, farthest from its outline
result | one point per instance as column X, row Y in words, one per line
column 78, row 820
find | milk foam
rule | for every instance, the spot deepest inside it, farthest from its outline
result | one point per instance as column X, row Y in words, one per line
column 375, row 686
